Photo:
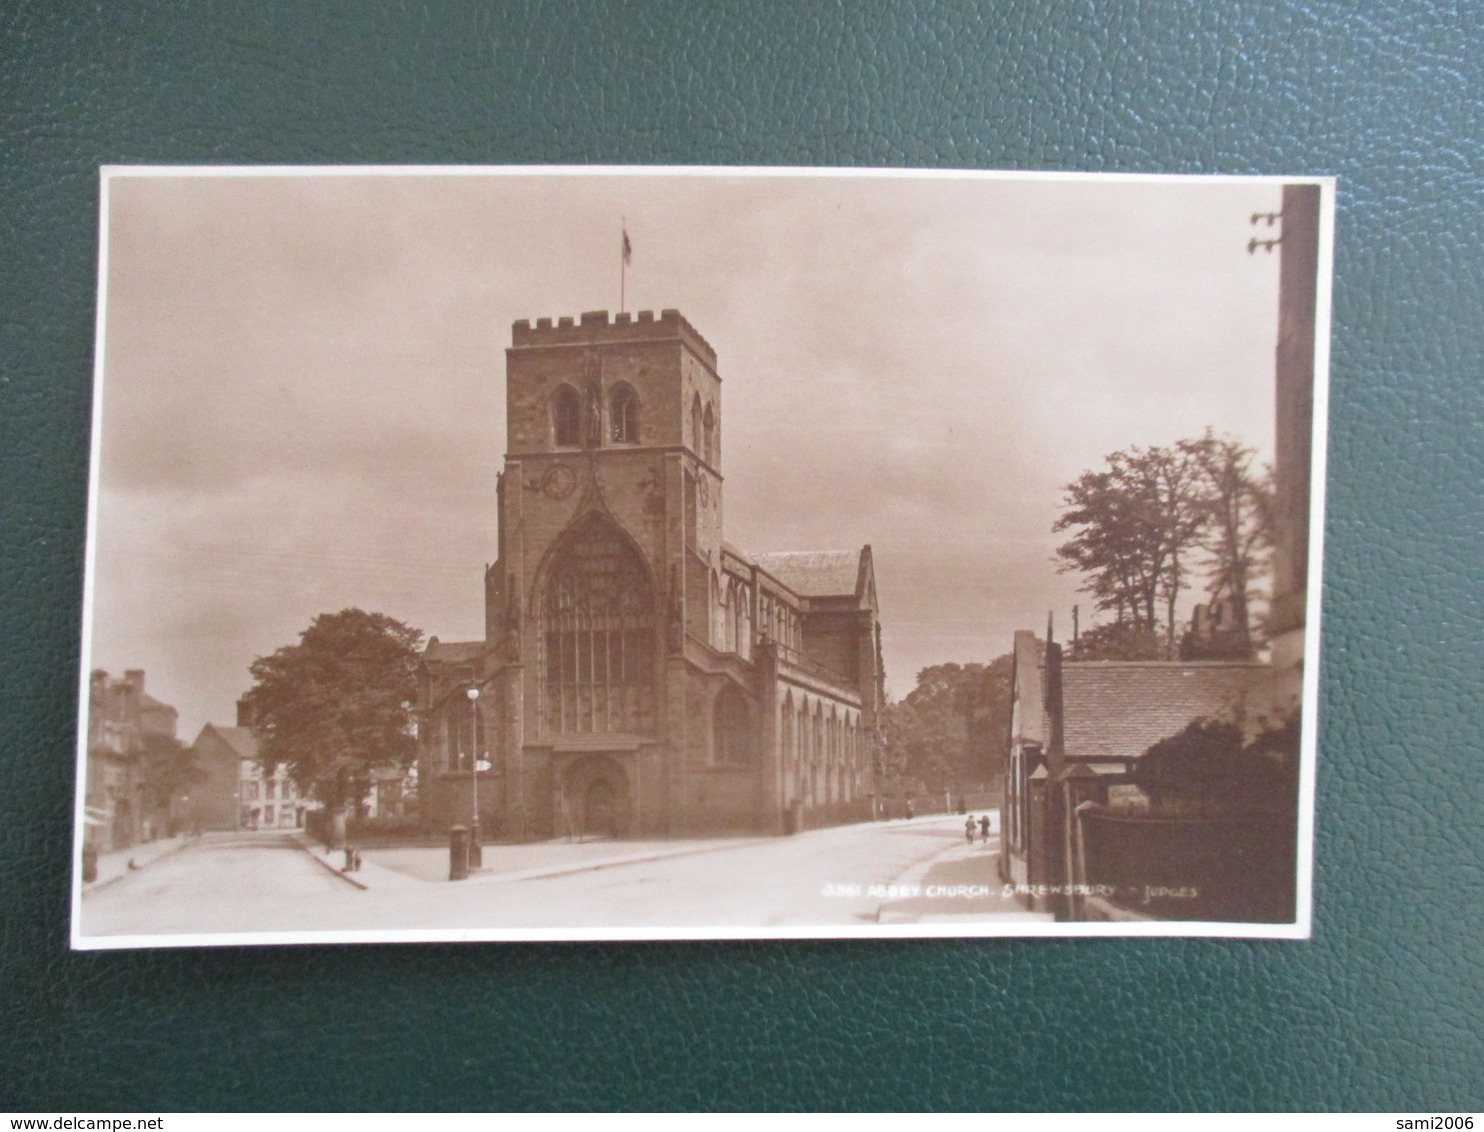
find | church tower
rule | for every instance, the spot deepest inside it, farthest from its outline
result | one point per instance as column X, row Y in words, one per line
column 610, row 487
column 638, row 676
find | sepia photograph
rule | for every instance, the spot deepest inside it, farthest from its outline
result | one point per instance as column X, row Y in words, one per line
column 655, row 553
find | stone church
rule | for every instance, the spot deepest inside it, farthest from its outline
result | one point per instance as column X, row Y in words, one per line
column 639, row 676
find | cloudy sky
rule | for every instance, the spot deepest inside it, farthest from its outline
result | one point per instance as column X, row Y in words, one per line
column 302, row 396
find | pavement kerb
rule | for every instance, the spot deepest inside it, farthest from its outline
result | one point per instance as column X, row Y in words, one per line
column 543, row 871
column 98, row 885
column 308, row 847
column 914, row 874
column 540, row 872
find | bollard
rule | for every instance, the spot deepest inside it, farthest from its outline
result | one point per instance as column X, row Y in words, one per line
column 476, row 851
column 458, row 853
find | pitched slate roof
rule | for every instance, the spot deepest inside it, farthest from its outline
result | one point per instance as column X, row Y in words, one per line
column 1119, row 709
column 454, row 651
column 816, row 573
column 239, row 739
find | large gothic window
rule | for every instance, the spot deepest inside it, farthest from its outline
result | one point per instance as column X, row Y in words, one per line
column 566, row 417
column 598, row 634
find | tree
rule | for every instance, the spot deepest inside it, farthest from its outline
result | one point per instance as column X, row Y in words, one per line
column 1135, row 523
column 169, row 771
column 1154, row 517
column 951, row 727
column 1117, row 642
column 1209, row 769
column 337, row 706
column 1237, row 501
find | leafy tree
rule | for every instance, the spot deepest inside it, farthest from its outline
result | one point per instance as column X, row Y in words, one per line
column 1237, row 501
column 338, row 705
column 951, row 726
column 1208, row 769
column 169, row 771
column 1135, row 524
column 1151, row 519
column 1117, row 642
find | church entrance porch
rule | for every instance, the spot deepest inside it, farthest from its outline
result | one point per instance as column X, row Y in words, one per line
column 594, row 799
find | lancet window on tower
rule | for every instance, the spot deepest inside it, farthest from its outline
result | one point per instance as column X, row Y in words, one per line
column 623, row 416
column 566, row 417
column 598, row 635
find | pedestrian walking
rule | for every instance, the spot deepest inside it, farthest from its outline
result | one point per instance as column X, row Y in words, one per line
column 969, row 829
column 984, row 828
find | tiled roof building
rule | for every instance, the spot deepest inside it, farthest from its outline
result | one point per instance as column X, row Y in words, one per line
column 1116, row 709
column 1078, row 728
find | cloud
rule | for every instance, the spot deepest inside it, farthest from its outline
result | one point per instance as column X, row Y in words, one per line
column 303, row 397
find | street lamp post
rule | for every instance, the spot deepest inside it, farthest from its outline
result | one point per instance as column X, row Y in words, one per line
column 476, row 853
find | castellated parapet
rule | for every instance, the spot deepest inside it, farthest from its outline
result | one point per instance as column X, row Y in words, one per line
column 595, row 327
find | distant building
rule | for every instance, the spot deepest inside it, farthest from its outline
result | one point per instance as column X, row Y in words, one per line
column 234, row 792
column 392, row 795
column 210, row 804
column 268, row 801
column 122, row 719
column 638, row 675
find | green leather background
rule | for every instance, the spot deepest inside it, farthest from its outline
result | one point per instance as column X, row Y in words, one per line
column 1383, row 1009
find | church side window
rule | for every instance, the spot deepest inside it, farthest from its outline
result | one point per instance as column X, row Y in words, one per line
column 786, row 730
column 692, row 510
column 598, row 633
column 462, row 732
column 743, row 643
column 732, row 726
column 566, row 417
column 623, row 416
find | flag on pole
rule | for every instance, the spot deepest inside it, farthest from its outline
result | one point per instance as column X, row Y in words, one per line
column 628, row 248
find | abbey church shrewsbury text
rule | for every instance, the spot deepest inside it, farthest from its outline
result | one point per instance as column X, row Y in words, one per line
column 639, row 676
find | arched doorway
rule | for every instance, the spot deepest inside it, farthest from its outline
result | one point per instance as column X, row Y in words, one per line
column 595, row 799
column 600, row 809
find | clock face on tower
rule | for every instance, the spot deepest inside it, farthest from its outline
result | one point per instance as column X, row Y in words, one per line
column 559, row 481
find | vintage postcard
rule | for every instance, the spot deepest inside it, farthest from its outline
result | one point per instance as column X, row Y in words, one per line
column 648, row 553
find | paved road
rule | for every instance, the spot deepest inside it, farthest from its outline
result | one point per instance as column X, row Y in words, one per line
column 893, row 872
column 220, row 882
column 839, row 876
